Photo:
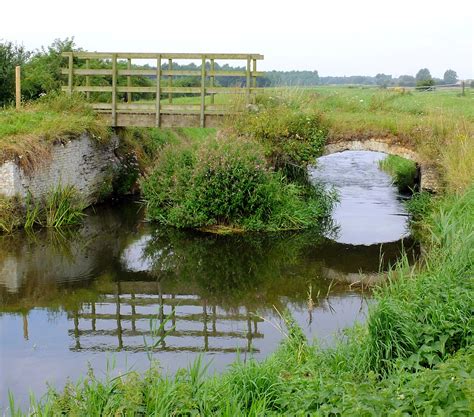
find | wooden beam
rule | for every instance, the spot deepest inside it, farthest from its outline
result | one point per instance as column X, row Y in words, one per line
column 129, row 80
column 154, row 55
column 170, row 80
column 18, row 87
column 70, row 75
column 202, row 119
column 88, row 81
column 158, row 92
column 212, row 79
column 248, row 79
column 114, row 90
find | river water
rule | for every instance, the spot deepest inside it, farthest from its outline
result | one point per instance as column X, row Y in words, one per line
column 105, row 293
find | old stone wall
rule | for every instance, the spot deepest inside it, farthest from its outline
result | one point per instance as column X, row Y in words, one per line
column 80, row 162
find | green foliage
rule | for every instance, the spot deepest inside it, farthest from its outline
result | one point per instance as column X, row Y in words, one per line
column 42, row 73
column 420, row 205
column 11, row 55
column 291, row 133
column 63, row 207
column 403, row 171
column 226, row 181
column 11, row 214
column 450, row 77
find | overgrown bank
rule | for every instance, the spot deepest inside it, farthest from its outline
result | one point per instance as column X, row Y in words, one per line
column 414, row 355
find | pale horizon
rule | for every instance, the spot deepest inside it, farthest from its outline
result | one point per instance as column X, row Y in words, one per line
column 336, row 39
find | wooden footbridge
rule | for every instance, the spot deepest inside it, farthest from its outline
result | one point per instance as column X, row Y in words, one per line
column 151, row 95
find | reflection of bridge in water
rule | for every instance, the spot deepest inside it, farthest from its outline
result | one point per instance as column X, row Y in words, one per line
column 128, row 321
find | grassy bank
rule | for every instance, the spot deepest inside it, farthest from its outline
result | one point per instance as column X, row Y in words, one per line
column 414, row 355
column 403, row 172
column 27, row 135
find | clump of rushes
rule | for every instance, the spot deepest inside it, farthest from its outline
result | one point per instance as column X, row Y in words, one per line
column 404, row 172
column 227, row 182
column 292, row 134
column 61, row 207
column 11, row 214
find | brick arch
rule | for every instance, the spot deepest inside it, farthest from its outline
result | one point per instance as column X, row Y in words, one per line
column 429, row 178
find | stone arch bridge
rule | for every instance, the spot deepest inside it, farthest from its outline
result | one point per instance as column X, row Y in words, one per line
column 428, row 174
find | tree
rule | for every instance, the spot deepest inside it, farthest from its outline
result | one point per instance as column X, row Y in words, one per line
column 11, row 55
column 423, row 75
column 42, row 73
column 450, row 77
column 383, row 80
column 406, row 81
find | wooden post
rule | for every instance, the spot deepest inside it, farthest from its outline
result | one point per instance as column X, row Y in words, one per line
column 463, row 86
column 158, row 92
column 203, row 92
column 248, row 80
column 212, row 80
column 129, row 80
column 170, row 80
column 88, row 81
column 254, row 96
column 18, row 87
column 71, row 64
column 114, row 89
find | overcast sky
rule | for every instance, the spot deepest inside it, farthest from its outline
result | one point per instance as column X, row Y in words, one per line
column 335, row 37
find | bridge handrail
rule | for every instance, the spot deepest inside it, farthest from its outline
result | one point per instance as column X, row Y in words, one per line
column 249, row 89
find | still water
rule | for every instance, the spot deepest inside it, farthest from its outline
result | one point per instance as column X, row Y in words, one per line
column 91, row 295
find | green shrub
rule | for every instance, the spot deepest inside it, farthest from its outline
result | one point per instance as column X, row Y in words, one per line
column 290, row 133
column 228, row 182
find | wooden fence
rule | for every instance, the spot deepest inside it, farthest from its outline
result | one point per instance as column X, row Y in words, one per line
column 116, row 75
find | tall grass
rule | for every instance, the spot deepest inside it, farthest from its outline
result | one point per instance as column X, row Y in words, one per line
column 62, row 207
column 403, row 172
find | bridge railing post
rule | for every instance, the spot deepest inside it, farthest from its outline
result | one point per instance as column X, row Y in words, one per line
column 203, row 92
column 158, row 92
column 114, row 89
column 70, row 73
column 248, row 80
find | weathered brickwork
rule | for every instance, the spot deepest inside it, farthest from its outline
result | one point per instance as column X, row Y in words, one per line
column 80, row 162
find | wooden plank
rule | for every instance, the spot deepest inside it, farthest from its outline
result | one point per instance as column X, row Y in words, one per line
column 114, row 90
column 18, row 87
column 164, row 90
column 86, row 71
column 168, row 120
column 202, row 120
column 129, row 80
column 155, row 55
column 158, row 92
column 165, row 73
column 92, row 89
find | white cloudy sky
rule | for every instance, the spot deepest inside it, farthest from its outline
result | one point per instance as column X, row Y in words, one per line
column 336, row 37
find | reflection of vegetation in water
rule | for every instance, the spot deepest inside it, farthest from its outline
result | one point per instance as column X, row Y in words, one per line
column 232, row 269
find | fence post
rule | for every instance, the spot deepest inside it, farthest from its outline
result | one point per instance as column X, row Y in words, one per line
column 212, row 80
column 129, row 80
column 463, row 86
column 88, row 80
column 114, row 90
column 18, row 87
column 71, row 64
column 203, row 92
column 170, row 81
column 248, row 80
column 158, row 92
